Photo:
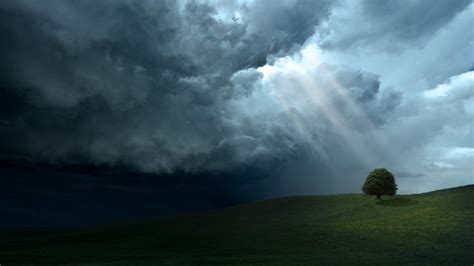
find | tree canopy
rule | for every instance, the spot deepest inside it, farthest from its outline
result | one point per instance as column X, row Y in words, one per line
column 380, row 182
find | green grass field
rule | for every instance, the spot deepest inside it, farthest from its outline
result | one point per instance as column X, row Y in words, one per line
column 430, row 228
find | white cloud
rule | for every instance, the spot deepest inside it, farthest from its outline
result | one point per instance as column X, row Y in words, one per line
column 461, row 153
column 460, row 87
column 439, row 166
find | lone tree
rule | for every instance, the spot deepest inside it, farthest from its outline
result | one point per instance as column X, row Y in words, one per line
column 380, row 182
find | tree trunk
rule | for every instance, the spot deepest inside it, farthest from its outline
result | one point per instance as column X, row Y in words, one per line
column 378, row 197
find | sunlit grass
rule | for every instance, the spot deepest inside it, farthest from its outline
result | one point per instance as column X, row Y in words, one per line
column 427, row 228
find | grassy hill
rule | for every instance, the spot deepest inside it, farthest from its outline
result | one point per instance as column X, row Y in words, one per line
column 435, row 227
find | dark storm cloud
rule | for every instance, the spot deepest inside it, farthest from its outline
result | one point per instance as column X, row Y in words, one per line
column 389, row 24
column 165, row 86
column 291, row 22
column 144, row 84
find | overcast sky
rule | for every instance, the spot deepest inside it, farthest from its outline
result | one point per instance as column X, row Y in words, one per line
column 308, row 96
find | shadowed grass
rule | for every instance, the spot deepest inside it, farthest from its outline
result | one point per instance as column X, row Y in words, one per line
column 430, row 228
column 398, row 202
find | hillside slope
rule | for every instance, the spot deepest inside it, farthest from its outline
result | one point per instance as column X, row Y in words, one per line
column 436, row 227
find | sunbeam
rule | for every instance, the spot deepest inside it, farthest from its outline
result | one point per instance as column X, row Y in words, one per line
column 310, row 94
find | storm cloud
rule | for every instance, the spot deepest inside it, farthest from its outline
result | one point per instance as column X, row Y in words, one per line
column 392, row 25
column 144, row 84
column 217, row 87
